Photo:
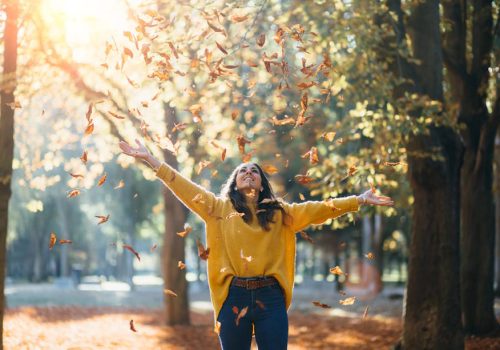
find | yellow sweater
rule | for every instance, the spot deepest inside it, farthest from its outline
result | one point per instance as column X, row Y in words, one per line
column 228, row 236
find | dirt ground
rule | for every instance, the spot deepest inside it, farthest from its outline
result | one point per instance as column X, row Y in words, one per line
column 78, row 328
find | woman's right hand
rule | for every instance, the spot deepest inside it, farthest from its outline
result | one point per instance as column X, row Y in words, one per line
column 140, row 152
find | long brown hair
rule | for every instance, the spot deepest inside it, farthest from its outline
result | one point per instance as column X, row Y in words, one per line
column 265, row 210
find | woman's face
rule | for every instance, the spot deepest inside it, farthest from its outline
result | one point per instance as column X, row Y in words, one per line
column 248, row 178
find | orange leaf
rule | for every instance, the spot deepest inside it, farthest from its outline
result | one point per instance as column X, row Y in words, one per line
column 73, row 193
column 117, row 116
column 129, row 248
column 305, row 85
column 329, row 136
column 348, row 301
column 169, row 292
column 128, row 52
column 186, row 231
column 102, row 219
column 181, row 265
column 76, row 175
column 318, row 304
column 83, row 158
column 221, row 48
column 89, row 112
column 336, row 270
column 53, row 240
column 303, row 179
column 270, row 169
column 153, row 248
column 242, row 314
column 202, row 252
column 65, row 241
column 238, row 19
column 260, row 304
column 370, row 256
column 90, row 128
column 102, row 180
column 223, row 155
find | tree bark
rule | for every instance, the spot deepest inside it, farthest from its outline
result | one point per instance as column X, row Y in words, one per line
column 7, row 137
column 176, row 309
column 468, row 82
column 497, row 215
column 432, row 310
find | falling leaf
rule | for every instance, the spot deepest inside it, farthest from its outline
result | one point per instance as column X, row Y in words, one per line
column 180, row 126
column 202, row 252
column 303, row 179
column 336, row 270
column 115, row 115
column 76, row 175
column 261, row 40
column 128, row 52
column 242, row 141
column 169, row 292
column 181, row 265
column 53, row 240
column 370, row 256
column 312, row 154
column 121, row 184
column 301, row 196
column 65, row 241
column 318, row 304
column 89, row 112
column 196, row 111
column 234, row 114
column 393, row 163
column 238, row 19
column 348, row 301
column 235, row 310
column 217, row 327
column 186, row 231
column 270, row 169
column 73, row 193
column 242, row 314
column 221, row 48
column 83, row 158
column 90, row 128
column 352, row 170
column 372, row 187
column 132, row 328
column 102, row 180
column 247, row 258
column 306, row 85
column 202, row 165
column 366, row 312
column 102, row 219
column 223, row 155
column 305, row 236
column 329, row 136
column 153, row 248
column 129, row 248
column 285, row 121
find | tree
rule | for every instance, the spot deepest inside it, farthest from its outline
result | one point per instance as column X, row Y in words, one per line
column 467, row 68
column 432, row 305
column 7, row 136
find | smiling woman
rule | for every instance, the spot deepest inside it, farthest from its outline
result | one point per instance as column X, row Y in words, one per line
column 81, row 24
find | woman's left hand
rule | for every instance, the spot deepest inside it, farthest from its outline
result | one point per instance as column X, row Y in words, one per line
column 369, row 197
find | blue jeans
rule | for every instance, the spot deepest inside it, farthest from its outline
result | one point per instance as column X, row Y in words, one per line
column 266, row 312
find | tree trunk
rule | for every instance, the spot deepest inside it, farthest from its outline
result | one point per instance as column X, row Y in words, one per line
column 177, row 309
column 432, row 312
column 469, row 76
column 6, row 138
column 497, row 215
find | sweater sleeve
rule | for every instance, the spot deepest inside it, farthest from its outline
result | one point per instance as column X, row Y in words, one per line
column 316, row 212
column 199, row 200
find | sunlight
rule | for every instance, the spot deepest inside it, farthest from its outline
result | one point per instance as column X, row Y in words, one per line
column 84, row 23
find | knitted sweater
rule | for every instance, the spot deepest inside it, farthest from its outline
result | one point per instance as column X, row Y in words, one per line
column 229, row 237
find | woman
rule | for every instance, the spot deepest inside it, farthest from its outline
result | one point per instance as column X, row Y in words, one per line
column 251, row 236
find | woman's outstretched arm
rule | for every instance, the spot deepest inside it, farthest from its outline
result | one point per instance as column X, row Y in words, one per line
column 196, row 198
column 316, row 212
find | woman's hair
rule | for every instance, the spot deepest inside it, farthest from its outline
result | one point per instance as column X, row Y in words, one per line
column 265, row 210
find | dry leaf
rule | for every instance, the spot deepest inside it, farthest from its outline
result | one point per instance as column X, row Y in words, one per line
column 89, row 129
column 73, row 193
column 121, row 184
column 336, row 270
column 83, row 158
column 270, row 169
column 102, row 180
column 102, row 219
column 303, row 179
column 242, row 314
column 65, row 241
column 247, row 258
column 186, row 231
column 202, row 252
column 260, row 304
column 305, row 236
column 261, row 40
column 53, row 240
column 132, row 328
column 181, row 265
column 129, row 248
column 153, row 248
column 370, row 256
column 169, row 292
column 318, row 304
column 348, row 301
